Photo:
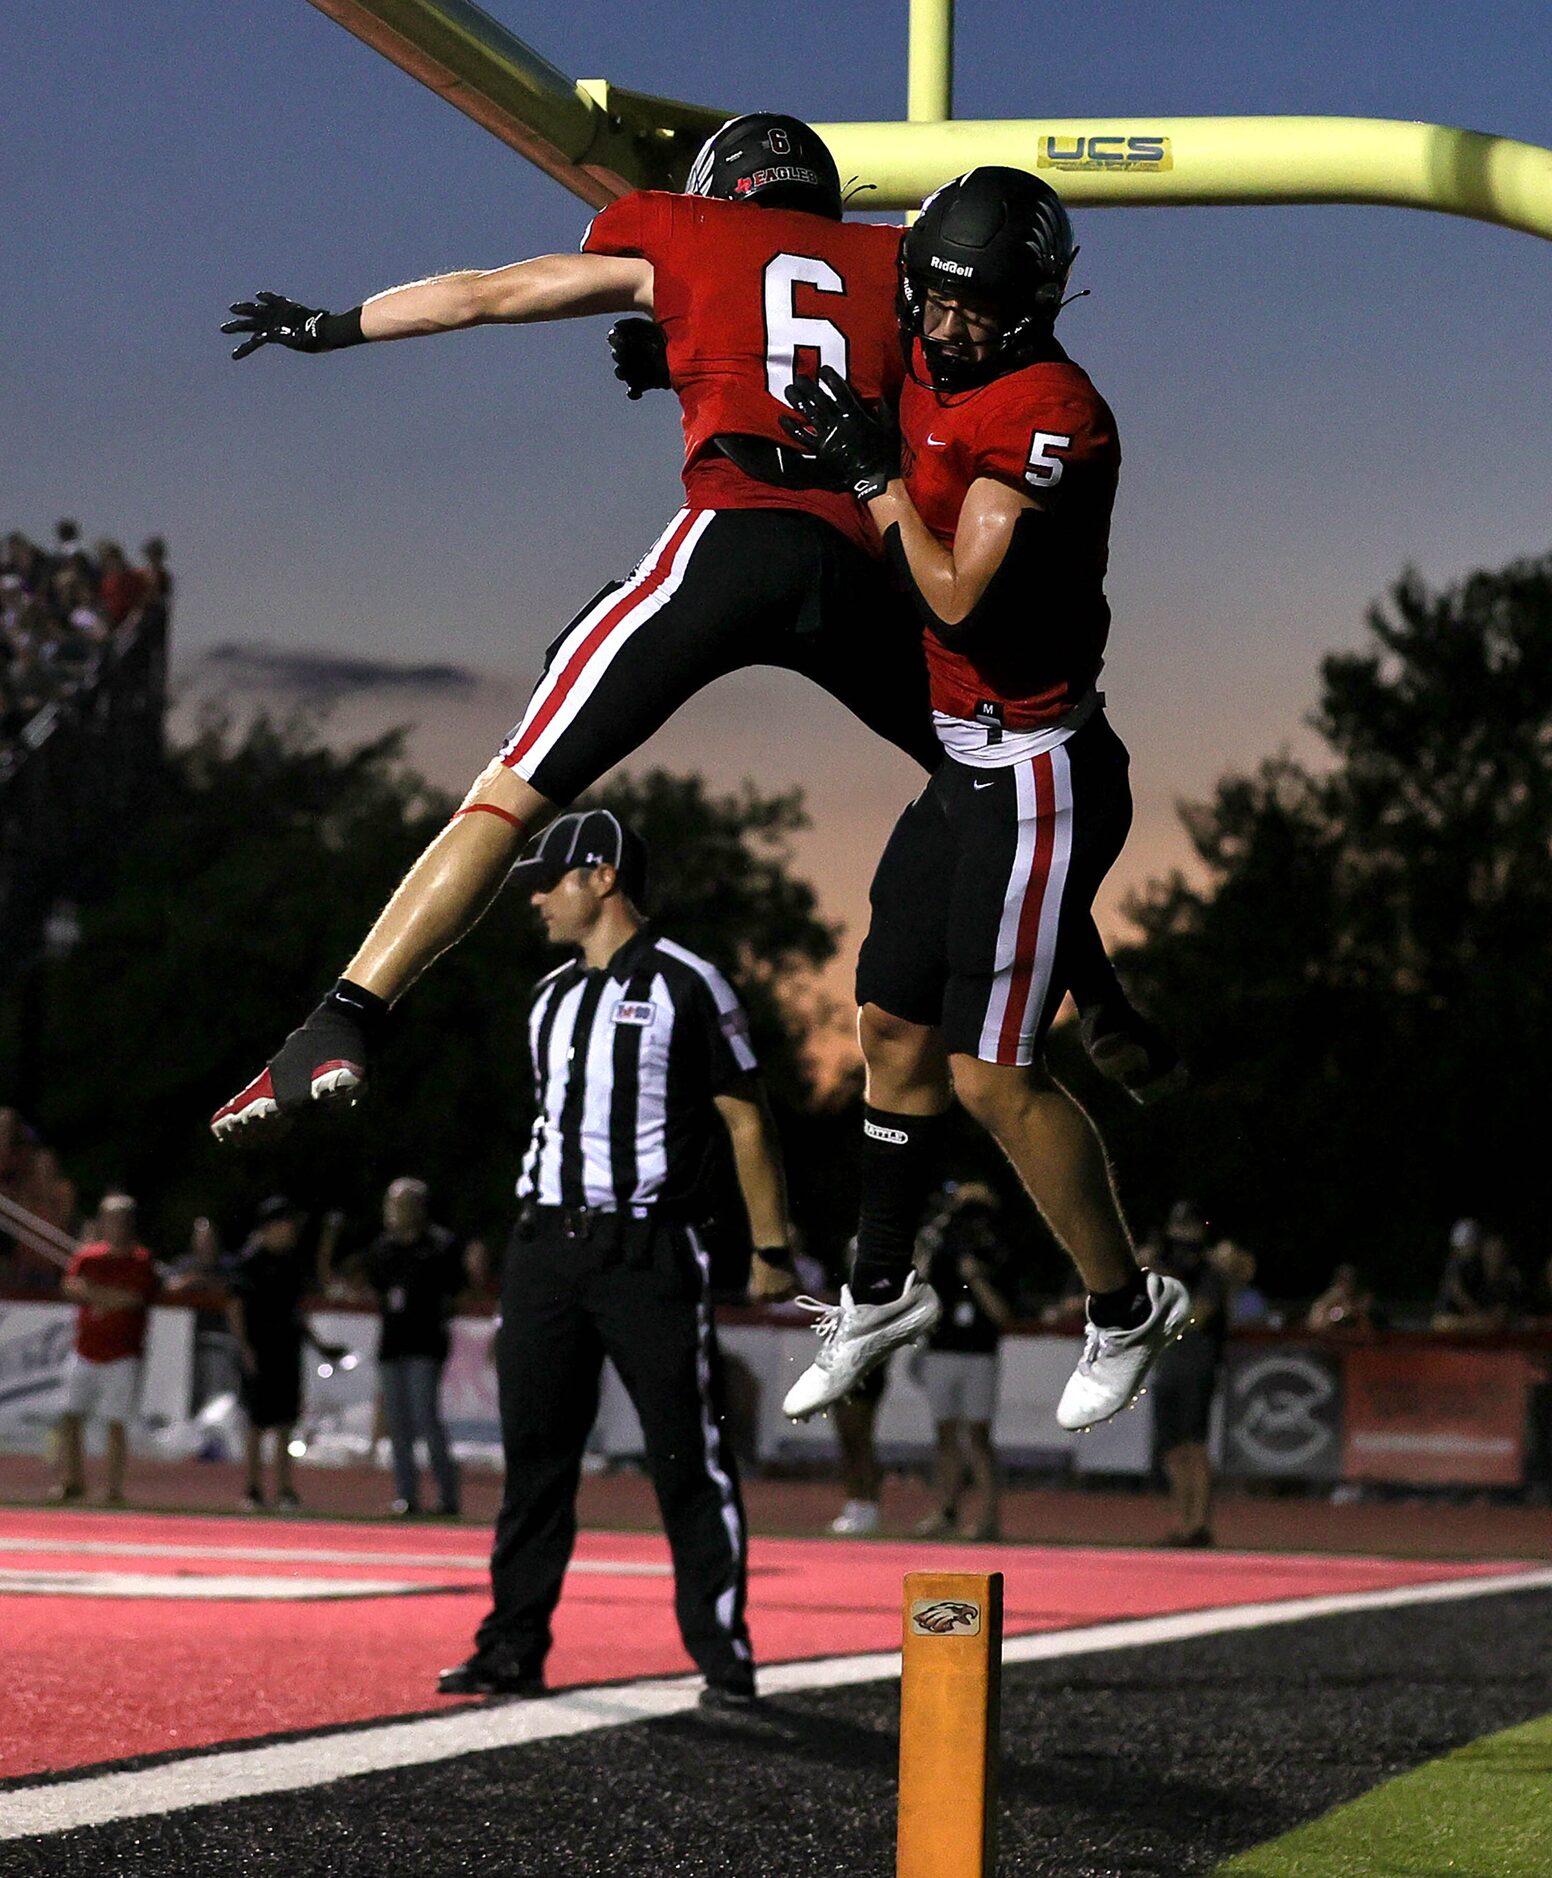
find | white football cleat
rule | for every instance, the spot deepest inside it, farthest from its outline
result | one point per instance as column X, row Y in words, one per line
column 856, row 1519
column 1114, row 1365
column 855, row 1338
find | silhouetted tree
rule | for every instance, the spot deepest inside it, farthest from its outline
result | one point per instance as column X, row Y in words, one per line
column 256, row 867
column 1360, row 974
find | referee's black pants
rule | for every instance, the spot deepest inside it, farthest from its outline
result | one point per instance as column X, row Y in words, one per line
column 636, row 1292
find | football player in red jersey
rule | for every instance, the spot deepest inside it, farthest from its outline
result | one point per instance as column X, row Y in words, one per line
column 754, row 279
column 994, row 501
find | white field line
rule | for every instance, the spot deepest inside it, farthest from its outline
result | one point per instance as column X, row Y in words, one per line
column 286, row 1767
column 316, row 1555
column 59, row 1584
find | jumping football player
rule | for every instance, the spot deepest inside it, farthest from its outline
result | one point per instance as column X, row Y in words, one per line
column 754, row 279
column 994, row 500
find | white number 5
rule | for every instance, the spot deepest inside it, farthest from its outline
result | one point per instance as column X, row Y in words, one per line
column 786, row 330
column 1042, row 469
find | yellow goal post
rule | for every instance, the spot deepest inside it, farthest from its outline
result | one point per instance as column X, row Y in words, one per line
column 599, row 139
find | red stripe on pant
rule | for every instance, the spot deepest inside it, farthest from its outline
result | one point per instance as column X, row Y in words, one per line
column 1028, row 939
column 617, row 614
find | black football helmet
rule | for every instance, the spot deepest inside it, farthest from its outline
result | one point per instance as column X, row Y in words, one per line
column 999, row 237
column 764, row 157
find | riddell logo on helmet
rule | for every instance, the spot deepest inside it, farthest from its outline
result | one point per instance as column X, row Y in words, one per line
column 777, row 173
column 952, row 267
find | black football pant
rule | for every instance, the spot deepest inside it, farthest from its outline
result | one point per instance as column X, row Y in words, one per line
column 719, row 591
column 640, row 1298
column 722, row 590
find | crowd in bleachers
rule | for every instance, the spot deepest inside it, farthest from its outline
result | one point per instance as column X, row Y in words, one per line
column 62, row 608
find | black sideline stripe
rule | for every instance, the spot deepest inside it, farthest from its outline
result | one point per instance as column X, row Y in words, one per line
column 573, row 1190
column 629, row 1042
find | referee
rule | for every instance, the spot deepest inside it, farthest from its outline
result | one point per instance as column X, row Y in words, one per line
column 640, row 1056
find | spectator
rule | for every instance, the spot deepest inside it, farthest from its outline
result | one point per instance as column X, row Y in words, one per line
column 417, row 1272
column 1185, row 1377
column 1347, row 1303
column 1245, row 1302
column 959, row 1253
column 264, row 1312
column 69, row 549
column 121, row 589
column 1480, row 1289
column 158, row 578
column 201, row 1278
column 113, row 1281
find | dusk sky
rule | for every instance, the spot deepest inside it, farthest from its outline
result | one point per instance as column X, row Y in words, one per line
column 1308, row 398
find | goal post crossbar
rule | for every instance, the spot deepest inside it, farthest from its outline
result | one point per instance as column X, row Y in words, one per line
column 599, row 139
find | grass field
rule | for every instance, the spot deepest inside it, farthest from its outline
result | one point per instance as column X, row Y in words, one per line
column 1484, row 1811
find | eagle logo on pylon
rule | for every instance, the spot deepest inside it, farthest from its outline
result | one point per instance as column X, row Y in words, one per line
column 946, row 1617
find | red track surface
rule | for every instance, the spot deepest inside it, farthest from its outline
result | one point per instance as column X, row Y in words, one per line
column 94, row 1678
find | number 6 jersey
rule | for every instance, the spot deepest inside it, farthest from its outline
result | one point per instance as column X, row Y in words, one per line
column 751, row 298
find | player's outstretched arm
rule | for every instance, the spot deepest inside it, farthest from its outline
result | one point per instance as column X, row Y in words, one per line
column 549, row 287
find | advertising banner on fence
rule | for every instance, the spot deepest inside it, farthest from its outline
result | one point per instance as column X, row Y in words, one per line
column 1420, row 1415
column 1282, row 1412
column 36, row 1338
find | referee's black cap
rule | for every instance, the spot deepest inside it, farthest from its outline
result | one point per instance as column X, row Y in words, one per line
column 585, row 838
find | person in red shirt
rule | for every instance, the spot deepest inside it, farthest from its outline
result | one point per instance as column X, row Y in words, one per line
column 113, row 1280
column 994, row 501
column 752, row 278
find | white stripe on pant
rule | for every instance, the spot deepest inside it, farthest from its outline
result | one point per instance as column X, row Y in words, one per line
column 583, row 684
column 727, row 1604
column 1022, row 882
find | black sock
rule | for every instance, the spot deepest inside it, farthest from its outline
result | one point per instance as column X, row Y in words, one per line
column 1122, row 1309
column 900, row 1162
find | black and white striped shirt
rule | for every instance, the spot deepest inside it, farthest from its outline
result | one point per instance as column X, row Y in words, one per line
column 627, row 1061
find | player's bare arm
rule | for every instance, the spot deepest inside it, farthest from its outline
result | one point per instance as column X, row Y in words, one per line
column 954, row 581
column 548, row 287
column 757, row 1161
column 861, row 447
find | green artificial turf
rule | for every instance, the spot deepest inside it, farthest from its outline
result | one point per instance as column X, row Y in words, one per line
column 1484, row 1811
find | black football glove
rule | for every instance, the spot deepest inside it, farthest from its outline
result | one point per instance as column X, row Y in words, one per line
column 639, row 348
column 857, row 445
column 273, row 320
column 325, row 1060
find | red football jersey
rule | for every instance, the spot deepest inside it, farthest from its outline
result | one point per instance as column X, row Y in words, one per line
column 104, row 1336
column 751, row 298
column 1047, row 431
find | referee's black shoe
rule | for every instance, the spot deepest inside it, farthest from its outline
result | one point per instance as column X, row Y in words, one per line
column 481, row 1676
column 736, row 1694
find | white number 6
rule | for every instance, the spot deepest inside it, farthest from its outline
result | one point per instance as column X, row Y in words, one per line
column 1042, row 469
column 786, row 330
